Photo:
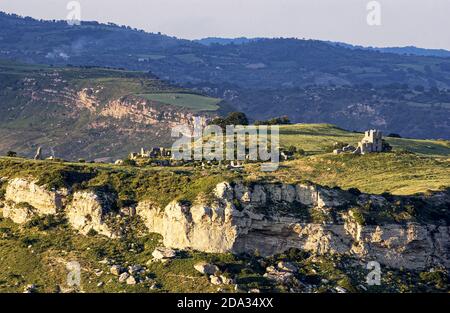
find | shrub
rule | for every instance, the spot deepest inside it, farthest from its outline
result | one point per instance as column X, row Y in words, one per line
column 46, row 222
column 358, row 216
column 129, row 162
column 11, row 154
column 437, row 278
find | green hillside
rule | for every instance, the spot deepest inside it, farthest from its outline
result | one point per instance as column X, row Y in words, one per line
column 189, row 101
column 318, row 138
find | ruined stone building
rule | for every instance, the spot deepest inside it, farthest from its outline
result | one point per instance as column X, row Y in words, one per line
column 372, row 142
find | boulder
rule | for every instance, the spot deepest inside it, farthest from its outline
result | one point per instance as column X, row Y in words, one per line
column 123, row 277
column 226, row 280
column 215, row 280
column 134, row 269
column 206, row 268
column 287, row 267
column 30, row 289
column 163, row 253
column 115, row 270
column 131, row 281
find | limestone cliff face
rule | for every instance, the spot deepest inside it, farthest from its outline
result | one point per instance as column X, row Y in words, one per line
column 267, row 219
column 253, row 218
column 88, row 211
column 24, row 199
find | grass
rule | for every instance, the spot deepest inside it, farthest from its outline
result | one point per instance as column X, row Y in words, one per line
column 31, row 256
column 396, row 173
column 160, row 185
column 318, row 138
column 189, row 101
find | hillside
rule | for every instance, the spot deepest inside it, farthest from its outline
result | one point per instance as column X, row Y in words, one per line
column 310, row 81
column 414, row 166
column 319, row 138
column 89, row 112
column 183, row 208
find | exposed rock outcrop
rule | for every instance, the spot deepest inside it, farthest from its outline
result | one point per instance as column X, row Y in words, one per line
column 24, row 198
column 89, row 211
column 263, row 218
column 271, row 218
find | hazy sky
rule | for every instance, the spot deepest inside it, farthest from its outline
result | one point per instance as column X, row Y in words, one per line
column 423, row 23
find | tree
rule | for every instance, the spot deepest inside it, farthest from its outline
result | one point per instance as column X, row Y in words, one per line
column 284, row 120
column 234, row 118
column 11, row 154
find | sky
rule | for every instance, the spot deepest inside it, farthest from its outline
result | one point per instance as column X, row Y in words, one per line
column 422, row 23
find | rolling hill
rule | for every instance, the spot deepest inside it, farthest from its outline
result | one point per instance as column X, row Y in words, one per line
column 310, row 81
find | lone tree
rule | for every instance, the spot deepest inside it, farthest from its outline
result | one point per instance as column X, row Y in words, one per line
column 234, row 118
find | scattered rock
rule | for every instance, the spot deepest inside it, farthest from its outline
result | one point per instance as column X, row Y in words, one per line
column 339, row 289
column 254, row 290
column 206, row 268
column 287, row 267
column 226, row 280
column 100, row 284
column 123, row 277
column 30, row 289
column 98, row 272
column 115, row 270
column 134, row 269
column 281, row 277
column 215, row 280
column 131, row 280
column 163, row 253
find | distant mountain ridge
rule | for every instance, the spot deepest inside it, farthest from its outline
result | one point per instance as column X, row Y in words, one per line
column 407, row 50
column 308, row 80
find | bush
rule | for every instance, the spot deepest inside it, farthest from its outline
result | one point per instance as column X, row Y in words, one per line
column 11, row 154
column 358, row 216
column 46, row 222
column 129, row 162
column 437, row 278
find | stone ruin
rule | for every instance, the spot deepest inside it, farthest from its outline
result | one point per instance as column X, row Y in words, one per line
column 372, row 142
column 153, row 153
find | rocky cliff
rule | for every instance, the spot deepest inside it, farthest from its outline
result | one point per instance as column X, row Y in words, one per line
column 85, row 112
column 262, row 218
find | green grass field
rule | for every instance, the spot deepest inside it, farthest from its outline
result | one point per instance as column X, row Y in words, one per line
column 189, row 101
column 396, row 173
column 317, row 138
